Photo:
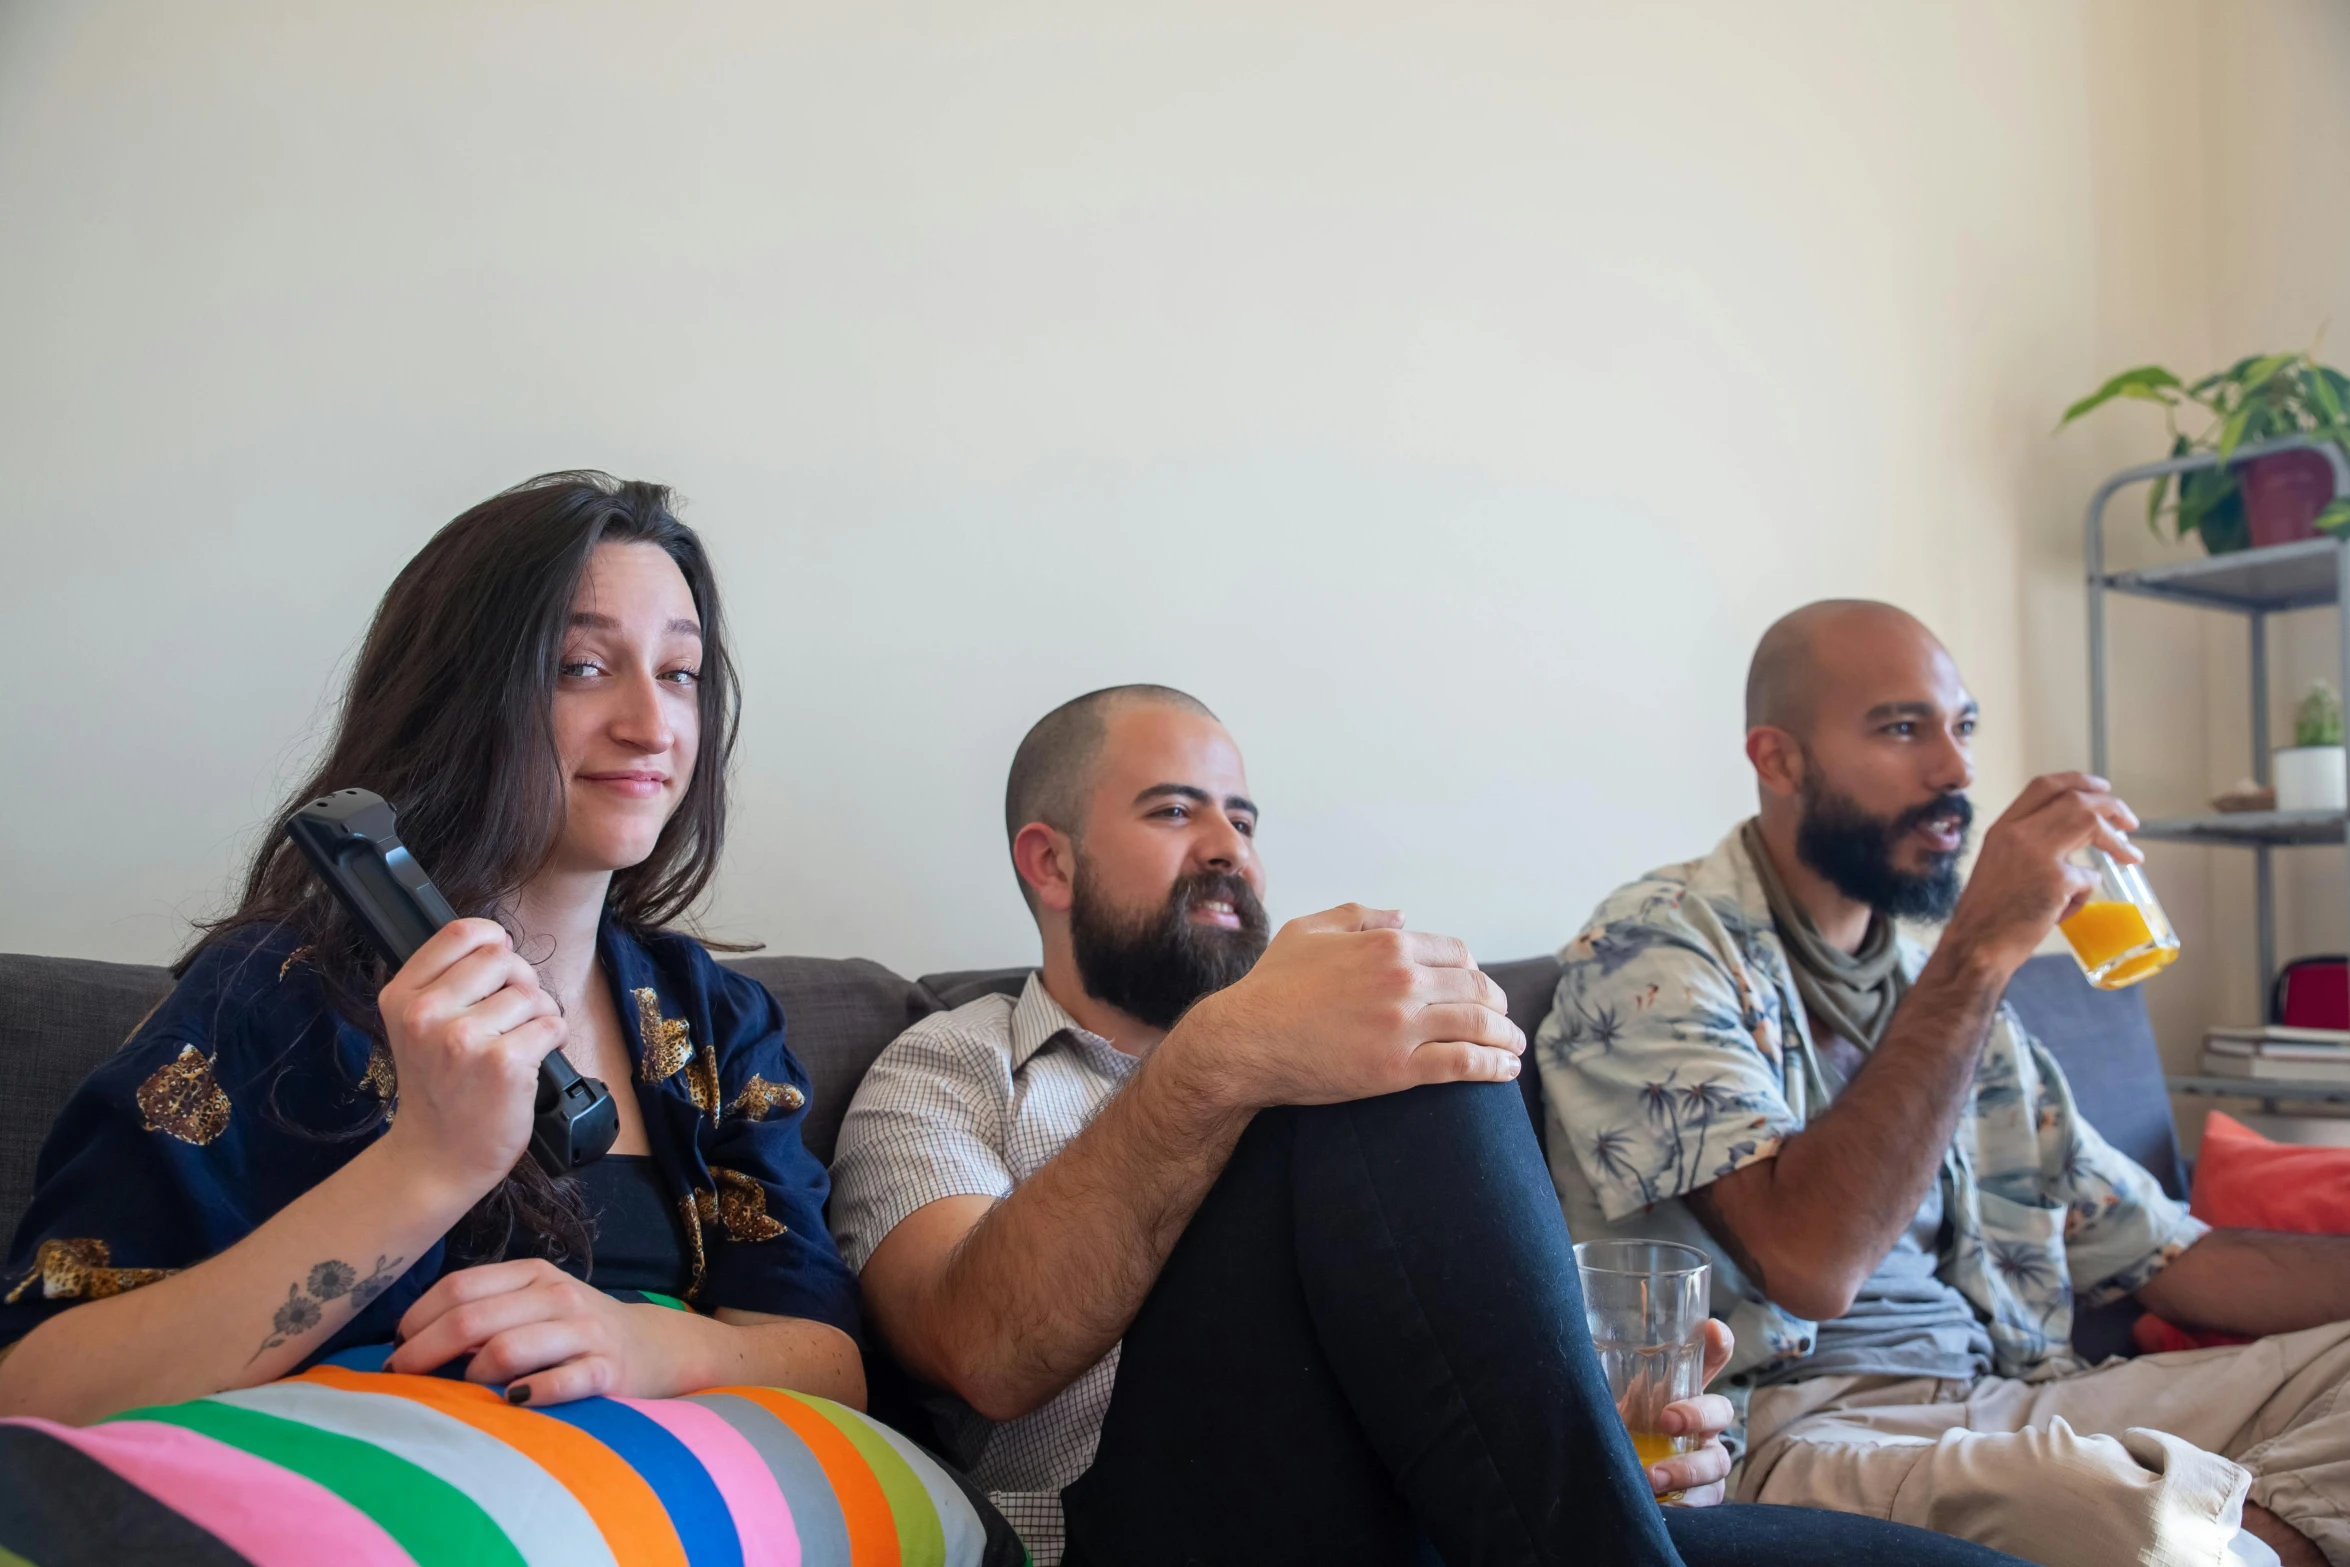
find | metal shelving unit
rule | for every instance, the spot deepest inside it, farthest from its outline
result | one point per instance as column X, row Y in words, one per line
column 2267, row 1091
column 2280, row 577
column 2255, row 584
column 2247, row 829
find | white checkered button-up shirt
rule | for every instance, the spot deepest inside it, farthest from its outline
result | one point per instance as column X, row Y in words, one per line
column 970, row 1103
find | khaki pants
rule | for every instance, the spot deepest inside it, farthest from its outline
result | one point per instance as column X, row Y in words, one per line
column 2138, row 1461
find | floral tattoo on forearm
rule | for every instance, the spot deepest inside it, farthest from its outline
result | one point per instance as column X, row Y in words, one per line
column 306, row 1302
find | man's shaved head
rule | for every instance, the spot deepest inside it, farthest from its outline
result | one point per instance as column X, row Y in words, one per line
column 1134, row 840
column 1784, row 678
column 1862, row 738
column 1053, row 771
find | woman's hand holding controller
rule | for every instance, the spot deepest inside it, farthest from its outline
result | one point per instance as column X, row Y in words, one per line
column 468, row 1026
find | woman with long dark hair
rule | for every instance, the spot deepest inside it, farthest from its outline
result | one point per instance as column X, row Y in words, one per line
column 299, row 1152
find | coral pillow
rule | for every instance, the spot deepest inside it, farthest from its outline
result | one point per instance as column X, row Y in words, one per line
column 2243, row 1180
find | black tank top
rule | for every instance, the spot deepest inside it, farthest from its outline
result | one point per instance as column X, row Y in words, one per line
column 640, row 1238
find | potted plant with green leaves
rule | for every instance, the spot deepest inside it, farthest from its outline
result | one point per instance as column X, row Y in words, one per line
column 2271, row 499
column 2310, row 773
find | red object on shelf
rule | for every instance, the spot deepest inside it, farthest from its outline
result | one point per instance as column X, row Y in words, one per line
column 2312, row 993
column 2283, row 493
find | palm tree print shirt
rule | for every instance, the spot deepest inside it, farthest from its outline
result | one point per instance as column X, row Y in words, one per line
column 1676, row 1051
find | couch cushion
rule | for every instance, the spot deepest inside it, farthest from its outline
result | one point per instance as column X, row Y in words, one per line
column 956, row 987
column 59, row 1017
column 1530, row 983
column 2105, row 1044
column 838, row 1014
column 2246, row 1181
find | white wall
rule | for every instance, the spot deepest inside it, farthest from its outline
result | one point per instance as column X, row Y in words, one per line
column 2278, row 110
column 1447, row 395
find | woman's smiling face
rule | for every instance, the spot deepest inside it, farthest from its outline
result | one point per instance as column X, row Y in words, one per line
column 627, row 707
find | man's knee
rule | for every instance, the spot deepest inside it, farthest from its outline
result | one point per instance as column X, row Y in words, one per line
column 1821, row 1462
column 1478, row 1123
column 2061, row 1497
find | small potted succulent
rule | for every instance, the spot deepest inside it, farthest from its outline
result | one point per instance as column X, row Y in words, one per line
column 2310, row 774
column 2273, row 499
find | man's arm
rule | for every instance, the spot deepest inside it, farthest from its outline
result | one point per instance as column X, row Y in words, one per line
column 1812, row 1223
column 2254, row 1282
column 1008, row 1302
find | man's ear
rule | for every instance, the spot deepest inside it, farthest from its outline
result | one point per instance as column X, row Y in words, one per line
column 1046, row 859
column 1778, row 759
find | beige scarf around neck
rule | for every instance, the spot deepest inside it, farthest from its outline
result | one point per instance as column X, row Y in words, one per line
column 1851, row 994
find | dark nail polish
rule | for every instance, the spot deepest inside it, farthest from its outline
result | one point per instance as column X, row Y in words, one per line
column 518, row 1393
column 398, row 1338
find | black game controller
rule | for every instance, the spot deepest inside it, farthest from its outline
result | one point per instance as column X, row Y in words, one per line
column 353, row 840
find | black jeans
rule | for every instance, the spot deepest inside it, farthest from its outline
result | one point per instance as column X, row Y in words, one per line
column 1369, row 1348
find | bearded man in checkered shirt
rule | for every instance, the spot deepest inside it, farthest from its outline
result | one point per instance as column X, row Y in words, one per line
column 1244, row 1252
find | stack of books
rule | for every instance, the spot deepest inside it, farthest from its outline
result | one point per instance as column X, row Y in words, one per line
column 2278, row 1054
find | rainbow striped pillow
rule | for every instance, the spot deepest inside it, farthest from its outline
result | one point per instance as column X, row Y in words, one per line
column 362, row 1468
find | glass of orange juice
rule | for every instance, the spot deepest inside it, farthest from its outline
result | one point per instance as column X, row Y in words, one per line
column 2120, row 936
column 1646, row 1304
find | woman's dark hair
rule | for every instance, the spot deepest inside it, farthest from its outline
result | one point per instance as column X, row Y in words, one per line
column 450, row 717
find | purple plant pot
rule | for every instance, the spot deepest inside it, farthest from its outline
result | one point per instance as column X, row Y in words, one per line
column 2283, row 492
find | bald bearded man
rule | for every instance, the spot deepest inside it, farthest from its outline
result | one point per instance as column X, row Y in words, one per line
column 1900, row 1198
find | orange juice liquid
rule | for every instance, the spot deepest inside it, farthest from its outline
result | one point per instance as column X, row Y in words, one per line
column 1654, row 1448
column 2104, row 930
column 2138, row 968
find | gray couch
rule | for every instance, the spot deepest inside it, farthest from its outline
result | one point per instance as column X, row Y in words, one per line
column 60, row 1016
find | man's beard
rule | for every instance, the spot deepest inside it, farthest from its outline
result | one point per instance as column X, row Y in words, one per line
column 1854, row 851
column 1153, row 967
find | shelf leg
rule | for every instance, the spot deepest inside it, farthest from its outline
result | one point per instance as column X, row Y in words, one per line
column 2264, row 903
column 2260, row 746
column 2264, row 883
column 2342, row 610
column 2093, row 550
